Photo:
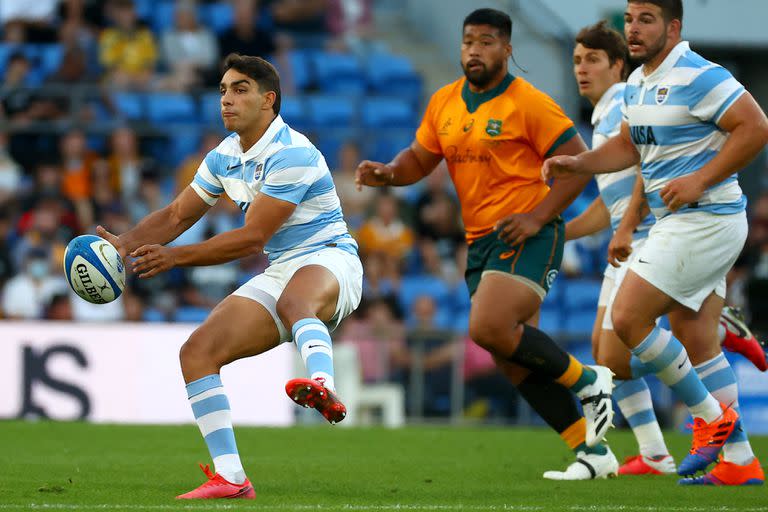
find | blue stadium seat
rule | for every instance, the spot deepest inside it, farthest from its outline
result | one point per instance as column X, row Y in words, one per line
column 412, row 287
column 217, row 16
column 50, row 57
column 181, row 145
column 191, row 314
column 580, row 323
column 153, row 315
column 301, row 69
column 293, row 112
column 129, row 105
column 330, row 112
column 551, row 321
column 170, row 107
column 386, row 144
column 329, row 144
column 210, row 109
column 581, row 295
column 162, row 17
column 387, row 112
column 393, row 74
column 338, row 73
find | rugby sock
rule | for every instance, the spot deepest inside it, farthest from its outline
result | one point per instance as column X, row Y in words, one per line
column 211, row 409
column 717, row 375
column 556, row 406
column 314, row 345
column 634, row 400
column 666, row 355
column 540, row 354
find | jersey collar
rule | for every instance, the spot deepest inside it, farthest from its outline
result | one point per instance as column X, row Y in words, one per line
column 666, row 65
column 274, row 127
column 599, row 111
column 473, row 100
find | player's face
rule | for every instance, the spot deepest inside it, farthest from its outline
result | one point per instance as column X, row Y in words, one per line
column 646, row 31
column 593, row 71
column 484, row 54
column 242, row 102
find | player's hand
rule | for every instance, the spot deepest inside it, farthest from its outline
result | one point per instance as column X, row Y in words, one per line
column 515, row 228
column 372, row 174
column 560, row 165
column 112, row 239
column 681, row 191
column 150, row 260
column 620, row 247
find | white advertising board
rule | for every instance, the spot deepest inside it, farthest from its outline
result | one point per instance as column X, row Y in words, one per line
column 126, row 373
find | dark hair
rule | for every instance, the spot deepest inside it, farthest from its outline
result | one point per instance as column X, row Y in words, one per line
column 670, row 9
column 602, row 37
column 261, row 71
column 492, row 17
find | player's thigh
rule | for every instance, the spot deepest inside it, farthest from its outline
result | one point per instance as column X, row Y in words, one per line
column 637, row 305
column 238, row 327
column 697, row 330
column 327, row 285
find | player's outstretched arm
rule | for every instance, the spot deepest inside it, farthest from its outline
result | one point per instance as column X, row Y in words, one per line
column 616, row 154
column 620, row 246
column 161, row 226
column 409, row 166
column 264, row 217
column 592, row 220
column 747, row 125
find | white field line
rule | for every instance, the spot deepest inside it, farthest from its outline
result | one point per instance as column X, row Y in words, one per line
column 365, row 508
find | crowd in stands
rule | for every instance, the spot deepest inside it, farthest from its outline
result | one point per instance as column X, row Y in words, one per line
column 107, row 109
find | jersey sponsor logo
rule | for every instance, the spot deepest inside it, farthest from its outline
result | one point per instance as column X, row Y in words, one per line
column 662, row 93
column 444, row 129
column 468, row 156
column 469, row 125
column 507, row 255
column 493, row 128
column 643, row 135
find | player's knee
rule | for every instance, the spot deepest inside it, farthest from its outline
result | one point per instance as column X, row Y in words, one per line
column 197, row 349
column 623, row 322
column 486, row 333
column 291, row 309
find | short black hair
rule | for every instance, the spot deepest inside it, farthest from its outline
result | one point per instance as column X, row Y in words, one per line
column 670, row 9
column 601, row 36
column 261, row 71
column 495, row 18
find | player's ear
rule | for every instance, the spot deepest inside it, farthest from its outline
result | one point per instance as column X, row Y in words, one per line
column 269, row 100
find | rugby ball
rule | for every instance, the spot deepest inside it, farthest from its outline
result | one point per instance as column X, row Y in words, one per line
column 94, row 269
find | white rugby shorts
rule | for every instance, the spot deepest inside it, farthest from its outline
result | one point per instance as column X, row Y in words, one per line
column 612, row 279
column 267, row 287
column 688, row 255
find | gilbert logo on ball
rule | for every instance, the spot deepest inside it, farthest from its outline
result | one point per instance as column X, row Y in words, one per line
column 94, row 269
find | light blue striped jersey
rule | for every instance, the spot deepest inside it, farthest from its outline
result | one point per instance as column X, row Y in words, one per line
column 285, row 165
column 615, row 187
column 673, row 115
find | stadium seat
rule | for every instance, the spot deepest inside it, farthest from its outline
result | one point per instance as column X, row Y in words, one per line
column 191, row 314
column 181, row 145
column 330, row 112
column 210, row 108
column 218, row 16
column 169, row 107
column 580, row 323
column 387, row 144
column 50, row 57
column 129, row 105
column 412, row 287
column 581, row 295
column 301, row 69
column 338, row 73
column 293, row 112
column 393, row 74
column 387, row 112
column 551, row 321
column 162, row 17
column 153, row 315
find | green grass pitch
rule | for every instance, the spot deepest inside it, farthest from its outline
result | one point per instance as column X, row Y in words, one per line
column 75, row 466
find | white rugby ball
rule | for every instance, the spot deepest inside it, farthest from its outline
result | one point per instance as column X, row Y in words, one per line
column 94, row 269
